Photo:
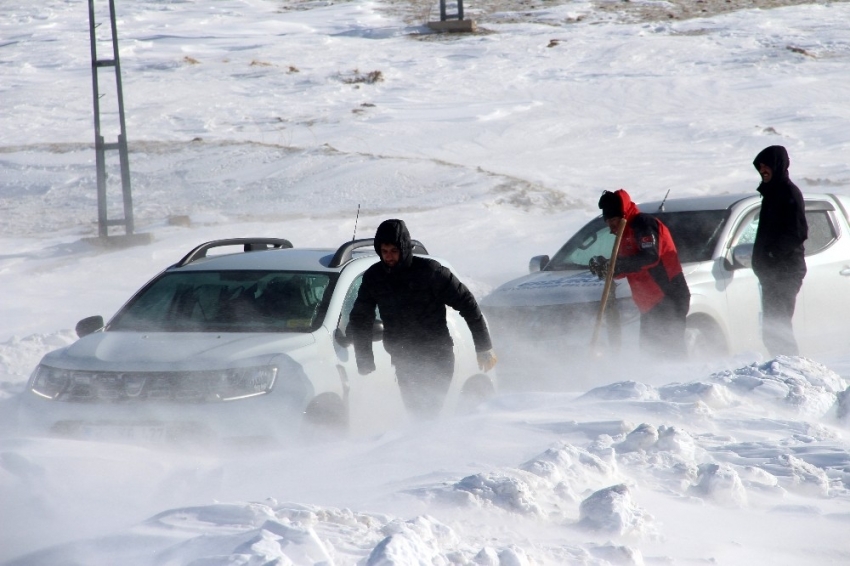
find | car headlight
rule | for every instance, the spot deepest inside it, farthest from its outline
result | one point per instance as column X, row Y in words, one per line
column 240, row 383
column 49, row 382
column 190, row 386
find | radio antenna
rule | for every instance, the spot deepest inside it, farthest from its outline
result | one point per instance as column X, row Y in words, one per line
column 354, row 235
column 661, row 206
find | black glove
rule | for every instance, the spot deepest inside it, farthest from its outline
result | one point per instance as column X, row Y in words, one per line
column 598, row 266
column 365, row 366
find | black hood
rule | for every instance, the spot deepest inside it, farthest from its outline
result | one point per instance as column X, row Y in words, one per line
column 395, row 232
column 775, row 157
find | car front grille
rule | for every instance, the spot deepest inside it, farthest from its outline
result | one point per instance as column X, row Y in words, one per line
column 141, row 386
column 546, row 322
column 565, row 322
column 127, row 387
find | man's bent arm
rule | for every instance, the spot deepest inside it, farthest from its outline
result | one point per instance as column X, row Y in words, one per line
column 361, row 321
column 456, row 295
column 646, row 234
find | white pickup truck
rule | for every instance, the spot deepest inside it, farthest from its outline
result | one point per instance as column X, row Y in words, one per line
column 559, row 300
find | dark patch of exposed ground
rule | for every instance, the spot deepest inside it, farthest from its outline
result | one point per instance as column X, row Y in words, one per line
column 417, row 12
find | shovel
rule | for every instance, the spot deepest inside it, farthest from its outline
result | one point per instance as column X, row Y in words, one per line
column 609, row 278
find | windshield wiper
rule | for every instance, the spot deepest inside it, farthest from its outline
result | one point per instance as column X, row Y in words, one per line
column 565, row 267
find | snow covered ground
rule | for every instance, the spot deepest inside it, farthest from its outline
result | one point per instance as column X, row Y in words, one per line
column 256, row 117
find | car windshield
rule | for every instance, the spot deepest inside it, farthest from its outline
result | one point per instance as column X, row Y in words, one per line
column 229, row 301
column 695, row 233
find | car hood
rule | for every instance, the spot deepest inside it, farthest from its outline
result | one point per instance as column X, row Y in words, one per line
column 161, row 351
column 543, row 288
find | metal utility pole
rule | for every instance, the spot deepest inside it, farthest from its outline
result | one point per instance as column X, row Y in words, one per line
column 101, row 146
column 457, row 15
column 453, row 22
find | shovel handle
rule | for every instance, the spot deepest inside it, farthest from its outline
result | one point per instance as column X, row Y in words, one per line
column 609, row 278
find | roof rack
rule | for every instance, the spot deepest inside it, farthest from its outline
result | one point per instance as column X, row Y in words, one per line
column 345, row 251
column 248, row 245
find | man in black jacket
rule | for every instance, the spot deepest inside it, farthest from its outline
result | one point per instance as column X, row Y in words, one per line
column 411, row 294
column 779, row 259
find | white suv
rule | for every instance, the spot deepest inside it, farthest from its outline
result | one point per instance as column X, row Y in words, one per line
column 559, row 300
column 222, row 345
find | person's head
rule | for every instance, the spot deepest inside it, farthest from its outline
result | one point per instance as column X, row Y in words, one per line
column 765, row 171
column 772, row 163
column 393, row 244
column 615, row 206
column 390, row 254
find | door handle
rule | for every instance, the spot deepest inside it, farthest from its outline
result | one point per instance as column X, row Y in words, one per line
column 845, row 272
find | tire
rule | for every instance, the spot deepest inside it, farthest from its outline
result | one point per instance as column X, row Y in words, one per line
column 325, row 417
column 704, row 339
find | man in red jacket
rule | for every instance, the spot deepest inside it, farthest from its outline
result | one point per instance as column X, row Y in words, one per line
column 649, row 262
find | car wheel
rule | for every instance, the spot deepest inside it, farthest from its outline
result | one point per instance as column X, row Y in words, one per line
column 325, row 416
column 477, row 390
column 704, row 339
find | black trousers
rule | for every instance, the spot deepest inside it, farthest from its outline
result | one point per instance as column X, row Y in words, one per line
column 424, row 377
column 662, row 329
column 778, row 302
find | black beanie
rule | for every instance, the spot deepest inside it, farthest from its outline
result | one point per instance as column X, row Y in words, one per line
column 611, row 205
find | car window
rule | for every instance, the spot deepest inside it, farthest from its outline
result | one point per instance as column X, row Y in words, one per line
column 747, row 232
column 348, row 303
column 228, row 301
column 695, row 232
column 822, row 230
column 595, row 238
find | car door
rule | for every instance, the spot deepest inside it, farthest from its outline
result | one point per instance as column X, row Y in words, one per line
column 743, row 292
column 819, row 317
column 374, row 400
column 827, row 282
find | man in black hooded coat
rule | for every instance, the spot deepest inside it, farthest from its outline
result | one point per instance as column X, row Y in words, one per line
column 411, row 294
column 779, row 259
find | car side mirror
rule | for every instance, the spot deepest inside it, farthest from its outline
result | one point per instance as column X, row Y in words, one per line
column 341, row 338
column 742, row 257
column 538, row 263
column 345, row 341
column 89, row 325
column 378, row 331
